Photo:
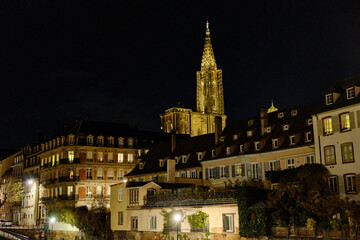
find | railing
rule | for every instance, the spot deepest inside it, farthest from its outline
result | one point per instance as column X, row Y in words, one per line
column 191, row 199
column 59, row 197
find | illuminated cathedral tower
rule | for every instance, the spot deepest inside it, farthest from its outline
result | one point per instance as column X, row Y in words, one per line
column 209, row 100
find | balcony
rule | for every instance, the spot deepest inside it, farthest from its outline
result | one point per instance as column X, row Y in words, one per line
column 191, row 199
column 68, row 179
column 48, row 181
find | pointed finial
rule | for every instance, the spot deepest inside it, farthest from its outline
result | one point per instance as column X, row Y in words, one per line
column 207, row 28
column 272, row 108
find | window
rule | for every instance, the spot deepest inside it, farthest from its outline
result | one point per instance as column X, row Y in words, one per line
column 329, row 155
column 235, row 137
column 71, row 140
column 228, row 222
column 152, row 222
column 333, row 184
column 222, row 139
column 292, row 140
column 241, row 148
column 71, row 156
column 193, row 174
column 134, row 196
column 213, row 153
column 228, row 151
column 134, row 223
column 310, row 159
column 110, row 141
column 100, row 141
column 183, row 174
column 199, row 155
column 88, row 191
column 285, row 127
column 110, row 174
column 141, row 166
column 100, row 156
column 250, row 122
column 120, row 194
column 350, row 93
column 130, row 158
column 120, row 157
column 328, row 129
column 309, row 122
column 268, row 129
column 238, row 170
column 89, row 156
column 350, row 183
column 121, row 174
column 347, row 152
column 121, row 141
column 88, row 173
column 90, row 140
column 249, row 133
column 255, row 168
column 161, row 162
column 99, row 175
column 70, row 190
column 130, row 142
column 273, row 166
column 308, row 137
column 257, row 146
column 275, row 143
column 293, row 113
column 280, row 115
column 345, row 122
column 211, row 173
column 291, row 163
column 120, row 218
column 183, row 157
column 329, row 99
column 222, row 171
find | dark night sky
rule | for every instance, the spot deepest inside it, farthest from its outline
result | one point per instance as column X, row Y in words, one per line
column 131, row 60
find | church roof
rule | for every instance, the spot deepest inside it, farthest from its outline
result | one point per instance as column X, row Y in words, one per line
column 208, row 57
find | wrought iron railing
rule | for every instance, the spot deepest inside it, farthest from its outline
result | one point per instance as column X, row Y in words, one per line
column 191, row 199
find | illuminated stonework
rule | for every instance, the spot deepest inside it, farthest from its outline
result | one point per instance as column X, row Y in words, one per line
column 209, row 99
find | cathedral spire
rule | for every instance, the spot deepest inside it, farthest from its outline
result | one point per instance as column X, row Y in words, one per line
column 208, row 58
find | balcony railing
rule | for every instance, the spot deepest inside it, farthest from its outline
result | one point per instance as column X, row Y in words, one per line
column 59, row 197
column 191, row 199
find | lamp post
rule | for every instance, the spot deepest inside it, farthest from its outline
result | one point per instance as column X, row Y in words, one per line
column 52, row 220
column 177, row 218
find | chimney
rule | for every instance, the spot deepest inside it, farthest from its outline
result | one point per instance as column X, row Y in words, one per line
column 173, row 141
column 263, row 119
column 218, row 128
column 170, row 171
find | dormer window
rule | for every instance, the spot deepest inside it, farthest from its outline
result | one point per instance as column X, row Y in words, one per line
column 249, row 133
column 293, row 113
column 71, row 140
column 90, row 140
column 183, row 158
column 242, row 148
column 285, row 127
column 308, row 137
column 177, row 160
column 228, row 151
column 309, row 122
column 213, row 153
column 222, row 139
column 350, row 93
column 257, row 146
column 275, row 143
column 130, row 142
column 268, row 130
column 280, row 115
column 141, row 165
column 235, row 137
column 199, row 154
column 161, row 162
column 250, row 122
column 292, row 140
column 110, row 141
column 329, row 99
column 100, row 141
column 121, row 142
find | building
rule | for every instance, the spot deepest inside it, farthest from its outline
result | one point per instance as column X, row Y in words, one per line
column 209, row 100
column 337, row 131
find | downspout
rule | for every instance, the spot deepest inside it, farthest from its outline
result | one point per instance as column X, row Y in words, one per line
column 318, row 137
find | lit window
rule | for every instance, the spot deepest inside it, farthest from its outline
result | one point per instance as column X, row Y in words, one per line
column 249, row 133
column 110, row 175
column 70, row 190
column 89, row 156
column 347, row 152
column 345, row 121
column 99, row 175
column 291, row 163
column 120, row 174
column 329, row 155
column 152, row 222
column 120, row 218
column 235, row 136
column 292, row 140
column 130, row 158
column 120, row 157
column 329, row 99
column 71, row 156
column 130, row 142
column 110, row 157
column 228, row 222
column 257, row 146
column 228, row 151
column 120, row 194
column 121, row 141
column 275, row 143
column 328, row 128
column 333, row 184
column 310, row 159
column 350, row 93
column 100, row 156
column 350, row 183
column 238, row 170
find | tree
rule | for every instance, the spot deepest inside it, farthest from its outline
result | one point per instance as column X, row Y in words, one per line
column 12, row 192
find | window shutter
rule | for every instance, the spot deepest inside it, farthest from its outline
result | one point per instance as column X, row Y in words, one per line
column 224, row 222
column 248, row 169
column 357, row 182
column 266, row 166
column 335, row 123
column 227, row 171
column 320, row 127
column 217, row 172
column 277, row 165
column 233, row 170
column 259, row 170
column 358, row 118
column 352, row 120
column 206, row 173
column 243, row 169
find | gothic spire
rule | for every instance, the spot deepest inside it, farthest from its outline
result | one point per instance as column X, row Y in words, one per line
column 208, row 58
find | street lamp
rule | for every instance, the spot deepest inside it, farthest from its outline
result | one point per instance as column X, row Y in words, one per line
column 52, row 220
column 30, row 182
column 177, row 218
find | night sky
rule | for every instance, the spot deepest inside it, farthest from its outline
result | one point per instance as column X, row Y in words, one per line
column 131, row 60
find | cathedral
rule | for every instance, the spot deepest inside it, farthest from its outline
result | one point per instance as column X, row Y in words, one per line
column 209, row 100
